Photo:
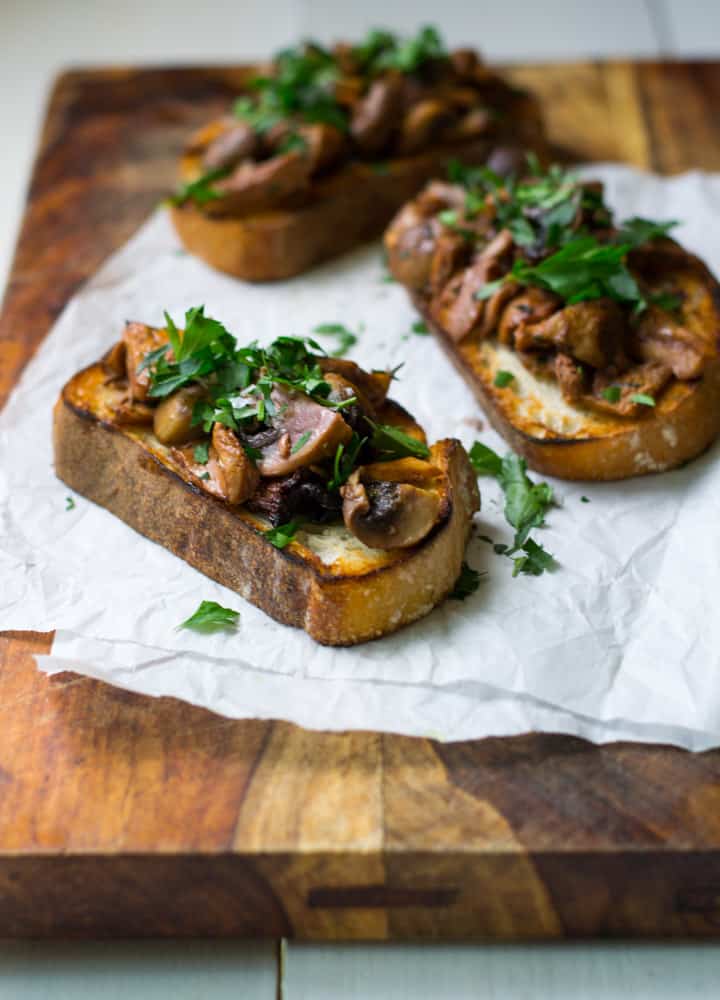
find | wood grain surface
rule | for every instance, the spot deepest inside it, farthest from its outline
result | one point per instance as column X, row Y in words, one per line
column 127, row 816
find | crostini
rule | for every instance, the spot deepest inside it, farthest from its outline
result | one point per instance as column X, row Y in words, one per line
column 327, row 144
column 592, row 346
column 282, row 473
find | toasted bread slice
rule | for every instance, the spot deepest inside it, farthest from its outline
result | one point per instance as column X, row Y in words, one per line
column 346, row 208
column 325, row 581
column 571, row 442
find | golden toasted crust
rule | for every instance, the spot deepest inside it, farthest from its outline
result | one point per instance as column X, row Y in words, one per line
column 359, row 594
column 348, row 207
column 571, row 442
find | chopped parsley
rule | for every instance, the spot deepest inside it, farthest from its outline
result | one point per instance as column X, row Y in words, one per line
column 382, row 50
column 420, row 328
column 503, row 379
column 466, row 584
column 584, row 499
column 283, row 534
column 611, row 393
column 301, row 442
column 642, row 398
column 201, row 190
column 344, row 461
column 346, row 339
column 211, row 617
column 201, row 452
column 391, row 442
column 69, row 503
column 526, row 504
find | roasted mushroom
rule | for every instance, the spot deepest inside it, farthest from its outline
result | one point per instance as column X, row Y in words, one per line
column 392, row 505
column 139, row 340
column 309, row 433
column 172, row 420
column 238, row 142
column 253, row 187
column 229, row 465
column 376, row 116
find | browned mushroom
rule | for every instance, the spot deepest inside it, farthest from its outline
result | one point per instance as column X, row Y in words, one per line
column 421, row 125
column 373, row 385
column 648, row 379
column 238, row 142
column 376, row 115
column 659, row 337
column 465, row 62
column 231, row 468
column 589, row 331
column 253, row 187
column 477, row 121
column 410, row 251
column 531, row 306
column 115, row 361
column 309, row 433
column 392, row 505
column 140, row 340
column 325, row 144
column 129, row 412
column 172, row 421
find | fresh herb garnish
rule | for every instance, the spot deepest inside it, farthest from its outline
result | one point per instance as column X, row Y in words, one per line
column 69, row 503
column 391, row 442
column 584, row 500
column 420, row 328
column 344, row 461
column 346, row 339
column 642, row 398
column 525, row 506
column 611, row 393
column 201, row 452
column 503, row 379
column 201, row 190
column 383, row 50
column 301, row 442
column 283, row 534
column 211, row 617
column 467, row 583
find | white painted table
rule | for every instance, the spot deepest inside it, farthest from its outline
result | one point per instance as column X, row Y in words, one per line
column 37, row 39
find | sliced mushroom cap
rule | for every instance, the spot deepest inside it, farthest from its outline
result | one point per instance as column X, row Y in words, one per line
column 659, row 337
column 477, row 121
column 253, row 187
column 422, row 123
column 310, row 433
column 172, row 420
column 373, row 385
column 590, row 331
column 139, row 340
column 353, row 413
column 325, row 144
column 230, row 466
column 465, row 62
column 115, row 361
column 238, row 142
column 386, row 513
column 376, row 115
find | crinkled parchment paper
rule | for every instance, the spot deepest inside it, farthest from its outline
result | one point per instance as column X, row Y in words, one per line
column 621, row 642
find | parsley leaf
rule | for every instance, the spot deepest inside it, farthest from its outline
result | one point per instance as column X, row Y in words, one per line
column 503, row 379
column 611, row 393
column 643, row 398
column 69, row 503
column 346, row 339
column 211, row 617
column 391, row 442
column 534, row 561
column 201, row 452
column 200, row 190
column 301, row 442
column 637, row 231
column 466, row 584
column 382, row 50
column 344, row 461
column 420, row 328
column 283, row 534
column 525, row 506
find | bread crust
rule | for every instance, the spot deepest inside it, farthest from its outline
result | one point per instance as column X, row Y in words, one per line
column 123, row 468
column 683, row 424
column 348, row 207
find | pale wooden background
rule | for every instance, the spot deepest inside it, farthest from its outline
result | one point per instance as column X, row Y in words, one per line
column 39, row 37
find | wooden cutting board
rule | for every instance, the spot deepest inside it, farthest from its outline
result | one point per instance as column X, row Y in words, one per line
column 128, row 816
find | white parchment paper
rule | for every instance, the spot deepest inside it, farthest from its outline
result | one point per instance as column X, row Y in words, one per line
column 621, row 642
